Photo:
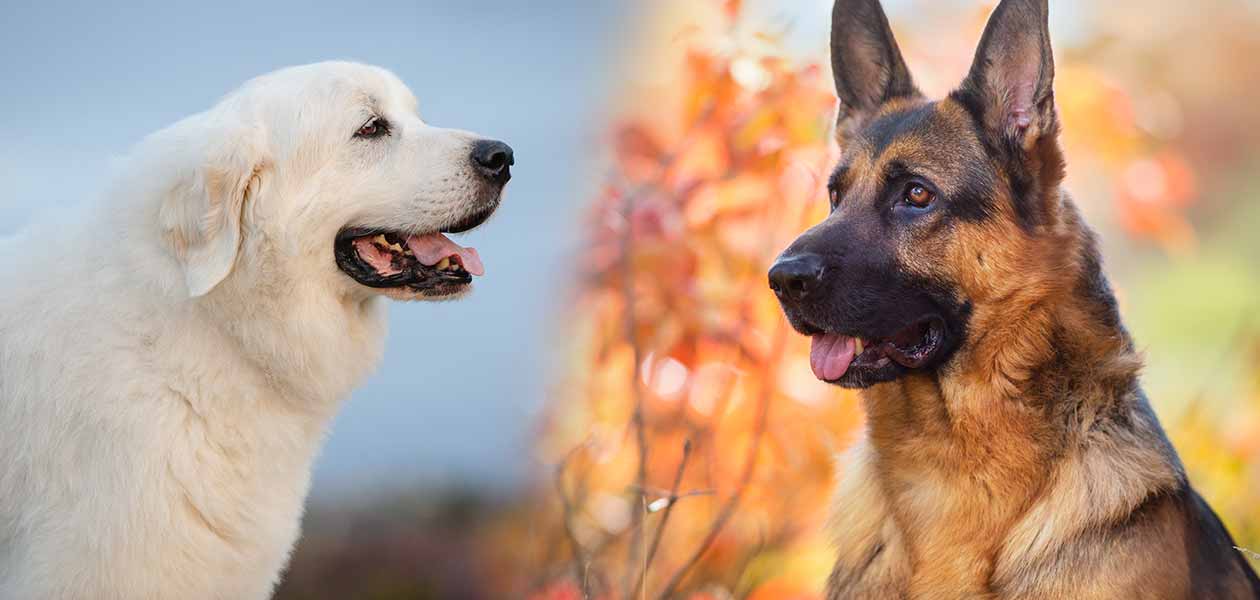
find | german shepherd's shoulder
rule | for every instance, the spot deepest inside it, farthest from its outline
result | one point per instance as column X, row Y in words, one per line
column 1010, row 451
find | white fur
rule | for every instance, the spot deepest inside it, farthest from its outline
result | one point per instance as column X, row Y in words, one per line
column 170, row 359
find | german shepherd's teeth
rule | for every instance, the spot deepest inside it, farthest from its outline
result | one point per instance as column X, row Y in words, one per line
column 860, row 346
column 444, row 264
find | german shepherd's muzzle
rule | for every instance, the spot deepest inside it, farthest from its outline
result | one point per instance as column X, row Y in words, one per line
column 1010, row 451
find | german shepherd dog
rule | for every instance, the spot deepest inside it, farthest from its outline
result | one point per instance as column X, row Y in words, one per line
column 1009, row 452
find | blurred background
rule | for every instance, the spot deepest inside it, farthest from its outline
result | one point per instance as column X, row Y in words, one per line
column 619, row 410
column 690, row 449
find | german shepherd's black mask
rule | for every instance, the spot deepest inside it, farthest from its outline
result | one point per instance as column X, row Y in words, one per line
column 874, row 283
column 1009, row 450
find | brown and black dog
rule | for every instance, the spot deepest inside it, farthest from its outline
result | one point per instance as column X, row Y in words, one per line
column 1010, row 451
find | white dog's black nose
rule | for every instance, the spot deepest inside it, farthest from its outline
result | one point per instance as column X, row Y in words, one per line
column 493, row 160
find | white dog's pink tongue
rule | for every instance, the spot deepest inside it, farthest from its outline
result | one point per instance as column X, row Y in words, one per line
column 431, row 249
column 830, row 355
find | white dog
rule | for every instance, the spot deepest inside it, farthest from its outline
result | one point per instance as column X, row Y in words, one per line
column 169, row 362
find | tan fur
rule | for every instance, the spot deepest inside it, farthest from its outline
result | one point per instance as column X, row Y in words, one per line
column 1020, row 457
column 968, row 484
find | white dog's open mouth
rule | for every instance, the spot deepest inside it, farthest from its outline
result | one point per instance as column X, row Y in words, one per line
column 429, row 264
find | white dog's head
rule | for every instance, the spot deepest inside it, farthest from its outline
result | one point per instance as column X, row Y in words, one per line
column 326, row 172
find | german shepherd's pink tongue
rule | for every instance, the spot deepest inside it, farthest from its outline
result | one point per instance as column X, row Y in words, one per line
column 830, row 355
column 432, row 248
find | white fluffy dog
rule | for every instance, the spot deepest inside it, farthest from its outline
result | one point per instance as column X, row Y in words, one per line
column 169, row 361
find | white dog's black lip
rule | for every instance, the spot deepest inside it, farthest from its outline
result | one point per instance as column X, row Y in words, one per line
column 473, row 220
column 416, row 276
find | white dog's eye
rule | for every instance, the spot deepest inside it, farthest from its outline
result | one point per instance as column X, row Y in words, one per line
column 375, row 127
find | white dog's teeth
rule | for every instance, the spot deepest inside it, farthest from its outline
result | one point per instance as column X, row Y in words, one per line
column 395, row 247
column 380, row 239
column 444, row 264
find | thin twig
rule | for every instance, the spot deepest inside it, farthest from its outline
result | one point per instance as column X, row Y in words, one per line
column 651, row 491
column 750, row 461
column 636, row 419
column 750, row 466
column 664, row 165
column 580, row 561
column 743, row 563
column 671, row 499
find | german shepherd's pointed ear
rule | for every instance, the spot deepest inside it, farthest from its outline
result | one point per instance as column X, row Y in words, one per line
column 1011, row 81
column 866, row 62
column 201, row 216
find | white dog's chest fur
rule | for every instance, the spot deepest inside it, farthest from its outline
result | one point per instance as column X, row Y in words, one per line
column 145, row 454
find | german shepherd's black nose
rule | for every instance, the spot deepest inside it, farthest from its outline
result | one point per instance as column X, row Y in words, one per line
column 493, row 160
column 793, row 277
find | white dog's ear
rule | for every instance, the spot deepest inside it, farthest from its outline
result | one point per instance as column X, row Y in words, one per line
column 201, row 217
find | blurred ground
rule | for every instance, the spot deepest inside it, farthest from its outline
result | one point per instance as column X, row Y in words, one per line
column 411, row 547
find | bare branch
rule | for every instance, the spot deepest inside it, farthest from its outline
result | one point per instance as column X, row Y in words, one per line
column 631, row 332
column 636, row 419
column 580, row 560
column 673, row 498
column 750, row 466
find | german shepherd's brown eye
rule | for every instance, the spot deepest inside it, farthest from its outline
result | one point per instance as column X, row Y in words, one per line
column 919, row 196
column 375, row 127
column 834, row 197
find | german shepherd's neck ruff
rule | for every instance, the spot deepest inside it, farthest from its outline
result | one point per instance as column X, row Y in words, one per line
column 1010, row 451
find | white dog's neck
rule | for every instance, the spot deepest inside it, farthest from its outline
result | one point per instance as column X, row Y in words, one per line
column 310, row 347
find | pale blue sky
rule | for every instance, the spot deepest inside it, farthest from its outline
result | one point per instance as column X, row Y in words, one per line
column 456, row 395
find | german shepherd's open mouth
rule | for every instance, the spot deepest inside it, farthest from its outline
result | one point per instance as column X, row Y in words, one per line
column 856, row 361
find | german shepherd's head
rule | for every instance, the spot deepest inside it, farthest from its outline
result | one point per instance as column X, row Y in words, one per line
column 946, row 215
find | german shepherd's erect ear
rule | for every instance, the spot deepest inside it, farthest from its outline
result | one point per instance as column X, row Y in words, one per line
column 1010, row 91
column 1010, row 85
column 865, row 62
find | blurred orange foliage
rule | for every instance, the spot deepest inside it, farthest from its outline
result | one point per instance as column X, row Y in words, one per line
column 691, row 447
column 680, row 341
